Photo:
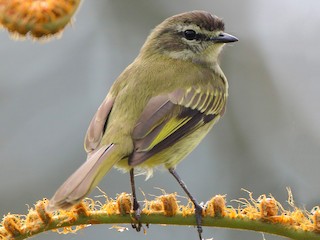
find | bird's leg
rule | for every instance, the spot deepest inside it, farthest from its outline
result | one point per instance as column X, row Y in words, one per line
column 136, row 205
column 198, row 208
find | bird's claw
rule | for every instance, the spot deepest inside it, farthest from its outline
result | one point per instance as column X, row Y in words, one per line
column 198, row 213
column 136, row 216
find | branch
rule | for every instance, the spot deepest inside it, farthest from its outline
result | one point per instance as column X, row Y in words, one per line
column 262, row 215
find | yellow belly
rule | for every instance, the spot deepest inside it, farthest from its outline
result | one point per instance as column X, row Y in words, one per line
column 172, row 155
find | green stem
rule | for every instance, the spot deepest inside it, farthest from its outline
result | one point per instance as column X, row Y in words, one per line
column 100, row 217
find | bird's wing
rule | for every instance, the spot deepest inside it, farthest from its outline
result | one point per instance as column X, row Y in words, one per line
column 97, row 125
column 168, row 118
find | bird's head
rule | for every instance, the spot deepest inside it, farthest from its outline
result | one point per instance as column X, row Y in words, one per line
column 197, row 36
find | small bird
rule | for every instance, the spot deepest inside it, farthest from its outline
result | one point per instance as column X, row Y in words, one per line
column 159, row 108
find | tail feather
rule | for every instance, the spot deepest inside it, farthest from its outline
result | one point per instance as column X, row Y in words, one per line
column 85, row 178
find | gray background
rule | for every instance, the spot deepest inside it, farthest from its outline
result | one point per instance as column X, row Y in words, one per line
column 267, row 140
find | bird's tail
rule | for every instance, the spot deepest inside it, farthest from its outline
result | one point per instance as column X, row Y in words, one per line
column 85, row 178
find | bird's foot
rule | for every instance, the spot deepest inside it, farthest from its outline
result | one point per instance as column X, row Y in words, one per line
column 136, row 217
column 198, row 213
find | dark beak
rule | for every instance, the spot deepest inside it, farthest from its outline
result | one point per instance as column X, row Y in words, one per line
column 224, row 38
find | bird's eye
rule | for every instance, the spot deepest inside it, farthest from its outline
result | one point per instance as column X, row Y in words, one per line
column 190, row 34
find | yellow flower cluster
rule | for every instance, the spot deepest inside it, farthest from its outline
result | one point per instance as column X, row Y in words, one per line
column 37, row 18
column 261, row 212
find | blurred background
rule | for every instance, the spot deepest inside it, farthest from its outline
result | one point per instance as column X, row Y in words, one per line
column 269, row 138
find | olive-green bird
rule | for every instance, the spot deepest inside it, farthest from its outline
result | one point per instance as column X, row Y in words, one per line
column 159, row 108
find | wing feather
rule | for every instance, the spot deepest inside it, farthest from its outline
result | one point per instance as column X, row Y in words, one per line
column 168, row 118
column 97, row 125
